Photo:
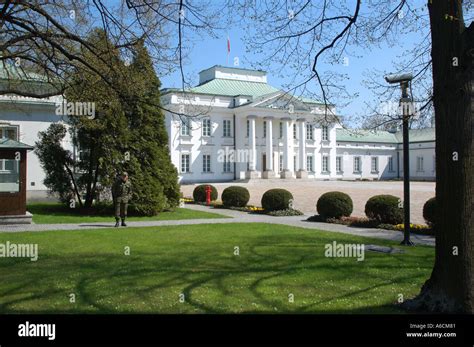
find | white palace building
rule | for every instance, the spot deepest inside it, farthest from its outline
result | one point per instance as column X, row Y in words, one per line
column 237, row 127
column 240, row 127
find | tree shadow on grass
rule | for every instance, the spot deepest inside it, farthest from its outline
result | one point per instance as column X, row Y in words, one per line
column 111, row 283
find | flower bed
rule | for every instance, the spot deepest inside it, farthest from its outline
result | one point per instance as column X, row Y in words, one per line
column 287, row 212
column 363, row 222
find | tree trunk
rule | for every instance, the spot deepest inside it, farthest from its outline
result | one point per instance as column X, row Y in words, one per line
column 90, row 175
column 451, row 288
column 73, row 180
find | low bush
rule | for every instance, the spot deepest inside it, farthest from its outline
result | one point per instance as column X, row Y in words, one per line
column 287, row 212
column 199, row 193
column 362, row 222
column 384, row 209
column 235, row 196
column 429, row 211
column 334, row 205
column 276, row 200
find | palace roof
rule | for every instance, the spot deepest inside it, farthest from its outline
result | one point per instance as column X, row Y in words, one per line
column 381, row 136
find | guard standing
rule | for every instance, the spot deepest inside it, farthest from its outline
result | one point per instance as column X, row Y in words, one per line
column 121, row 193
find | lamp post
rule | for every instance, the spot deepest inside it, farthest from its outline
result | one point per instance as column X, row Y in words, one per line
column 406, row 104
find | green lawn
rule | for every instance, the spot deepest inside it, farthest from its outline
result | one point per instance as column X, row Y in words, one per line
column 199, row 261
column 54, row 213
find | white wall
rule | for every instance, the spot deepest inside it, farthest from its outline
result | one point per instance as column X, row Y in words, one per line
column 198, row 145
column 426, row 150
column 349, row 151
column 32, row 116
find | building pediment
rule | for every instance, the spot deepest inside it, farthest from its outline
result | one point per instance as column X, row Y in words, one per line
column 281, row 101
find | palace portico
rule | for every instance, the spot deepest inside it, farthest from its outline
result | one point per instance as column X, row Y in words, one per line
column 286, row 146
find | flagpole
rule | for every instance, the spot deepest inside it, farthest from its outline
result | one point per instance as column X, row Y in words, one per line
column 228, row 49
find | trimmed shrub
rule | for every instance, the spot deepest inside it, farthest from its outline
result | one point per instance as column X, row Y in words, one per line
column 384, row 209
column 334, row 205
column 429, row 211
column 199, row 193
column 235, row 196
column 276, row 200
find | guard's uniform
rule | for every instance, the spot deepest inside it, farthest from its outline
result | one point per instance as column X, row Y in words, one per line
column 122, row 194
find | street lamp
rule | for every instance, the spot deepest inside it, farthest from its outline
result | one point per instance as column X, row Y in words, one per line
column 406, row 104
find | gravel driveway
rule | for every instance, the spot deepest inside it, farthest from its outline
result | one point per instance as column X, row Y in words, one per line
column 307, row 192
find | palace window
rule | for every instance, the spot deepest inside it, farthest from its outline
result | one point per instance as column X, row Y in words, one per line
column 325, row 133
column 374, row 164
column 281, row 162
column 206, row 127
column 357, row 165
column 309, row 163
column 294, row 131
column 206, row 163
column 419, row 164
column 185, row 127
column 309, row 131
column 264, row 128
column 281, row 130
column 248, row 128
column 227, row 164
column 390, row 164
column 294, row 162
column 339, row 164
column 325, row 164
column 185, row 163
column 227, row 128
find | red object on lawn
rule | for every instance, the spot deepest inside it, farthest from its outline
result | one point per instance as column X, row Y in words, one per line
column 208, row 195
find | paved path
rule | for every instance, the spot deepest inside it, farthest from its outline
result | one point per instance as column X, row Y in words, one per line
column 306, row 192
column 238, row 217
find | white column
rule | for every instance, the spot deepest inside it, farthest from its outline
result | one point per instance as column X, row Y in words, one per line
column 252, row 144
column 252, row 173
column 302, row 173
column 286, row 173
column 269, row 172
column 333, row 150
column 269, row 143
column 302, row 145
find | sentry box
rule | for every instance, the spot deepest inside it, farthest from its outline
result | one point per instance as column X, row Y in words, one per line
column 13, row 158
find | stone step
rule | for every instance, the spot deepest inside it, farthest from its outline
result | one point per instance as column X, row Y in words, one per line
column 17, row 219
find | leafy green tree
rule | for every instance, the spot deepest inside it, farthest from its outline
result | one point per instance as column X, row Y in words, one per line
column 127, row 132
column 57, row 162
column 102, row 137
